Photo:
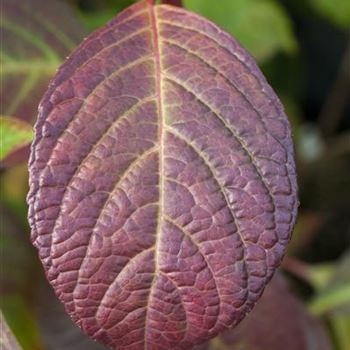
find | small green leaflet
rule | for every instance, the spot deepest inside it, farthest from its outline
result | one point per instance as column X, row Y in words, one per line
column 14, row 134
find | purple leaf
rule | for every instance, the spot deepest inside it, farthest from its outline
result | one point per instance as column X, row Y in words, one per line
column 163, row 186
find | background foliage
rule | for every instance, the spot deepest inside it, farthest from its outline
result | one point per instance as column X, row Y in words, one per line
column 303, row 49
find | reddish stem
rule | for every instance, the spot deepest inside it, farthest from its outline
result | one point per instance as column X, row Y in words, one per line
column 297, row 268
column 150, row 2
column 177, row 3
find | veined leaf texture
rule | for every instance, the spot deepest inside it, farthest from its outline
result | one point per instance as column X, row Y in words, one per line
column 162, row 181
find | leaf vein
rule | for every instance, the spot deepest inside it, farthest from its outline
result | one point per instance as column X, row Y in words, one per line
column 158, row 68
column 175, row 133
column 182, row 302
column 65, row 130
column 229, row 81
column 234, row 134
column 197, row 245
column 230, row 52
column 131, row 260
column 131, row 166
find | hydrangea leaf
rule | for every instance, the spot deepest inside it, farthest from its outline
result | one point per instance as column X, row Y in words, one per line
column 162, row 181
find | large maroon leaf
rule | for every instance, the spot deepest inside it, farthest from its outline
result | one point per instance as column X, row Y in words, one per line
column 163, row 187
column 37, row 35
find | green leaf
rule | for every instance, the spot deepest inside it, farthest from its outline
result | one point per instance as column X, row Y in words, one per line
column 330, row 300
column 97, row 18
column 37, row 37
column 262, row 26
column 340, row 325
column 335, row 296
column 320, row 275
column 337, row 11
column 21, row 320
column 14, row 135
column 7, row 339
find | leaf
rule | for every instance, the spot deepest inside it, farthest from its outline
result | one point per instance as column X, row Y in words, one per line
column 7, row 339
column 333, row 301
column 163, row 186
column 262, row 26
column 37, row 36
column 337, row 11
column 279, row 321
column 19, row 272
column 15, row 134
column 341, row 329
column 335, row 296
column 21, row 321
column 320, row 274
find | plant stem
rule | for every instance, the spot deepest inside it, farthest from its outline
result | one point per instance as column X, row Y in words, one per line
column 296, row 268
column 317, row 276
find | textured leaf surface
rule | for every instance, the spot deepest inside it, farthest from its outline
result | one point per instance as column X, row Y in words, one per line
column 163, row 188
column 14, row 135
column 279, row 321
column 37, row 35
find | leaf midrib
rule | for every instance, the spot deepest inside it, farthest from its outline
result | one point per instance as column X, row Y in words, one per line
column 159, row 94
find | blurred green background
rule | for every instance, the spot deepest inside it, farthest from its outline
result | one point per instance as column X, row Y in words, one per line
column 303, row 48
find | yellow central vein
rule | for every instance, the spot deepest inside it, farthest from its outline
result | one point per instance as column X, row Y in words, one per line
column 159, row 88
